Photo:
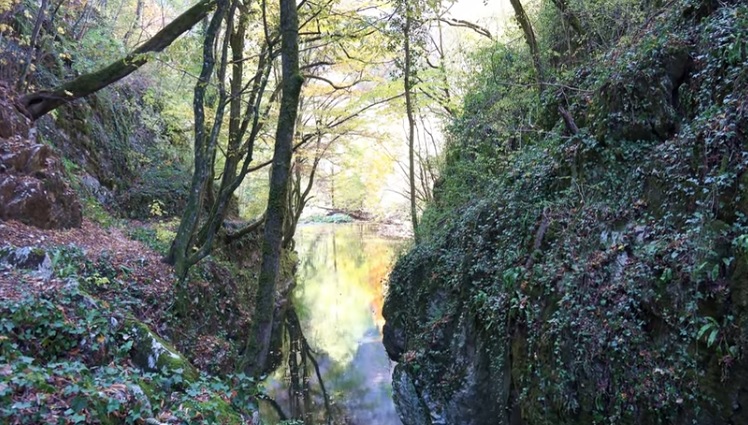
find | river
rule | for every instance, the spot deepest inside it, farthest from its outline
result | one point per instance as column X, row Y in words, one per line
column 339, row 295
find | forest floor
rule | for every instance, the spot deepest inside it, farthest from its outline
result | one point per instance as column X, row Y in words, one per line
column 57, row 287
column 141, row 263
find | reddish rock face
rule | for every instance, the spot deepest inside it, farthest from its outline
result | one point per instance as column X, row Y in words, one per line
column 32, row 188
column 12, row 122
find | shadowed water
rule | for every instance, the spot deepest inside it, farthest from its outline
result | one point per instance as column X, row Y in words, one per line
column 341, row 277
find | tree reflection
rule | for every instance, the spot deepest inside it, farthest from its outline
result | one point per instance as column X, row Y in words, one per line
column 335, row 369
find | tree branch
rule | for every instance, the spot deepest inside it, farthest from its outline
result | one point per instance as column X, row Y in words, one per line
column 459, row 23
column 244, row 231
column 333, row 85
column 39, row 103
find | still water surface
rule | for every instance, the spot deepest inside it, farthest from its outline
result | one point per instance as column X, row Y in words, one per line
column 341, row 276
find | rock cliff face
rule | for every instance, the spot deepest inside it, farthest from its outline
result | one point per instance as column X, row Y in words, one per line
column 32, row 186
column 602, row 277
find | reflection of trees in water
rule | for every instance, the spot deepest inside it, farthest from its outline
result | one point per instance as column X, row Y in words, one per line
column 348, row 246
column 309, row 260
column 300, row 358
column 349, row 256
column 306, row 397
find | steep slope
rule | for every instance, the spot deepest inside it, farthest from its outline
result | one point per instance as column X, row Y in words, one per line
column 599, row 274
column 78, row 310
column 87, row 329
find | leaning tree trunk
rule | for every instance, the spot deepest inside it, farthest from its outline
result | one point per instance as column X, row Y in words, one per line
column 258, row 345
column 532, row 42
column 39, row 103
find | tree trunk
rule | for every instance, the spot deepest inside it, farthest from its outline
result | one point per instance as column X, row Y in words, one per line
column 256, row 354
column 32, row 45
column 203, row 157
column 447, row 102
column 569, row 16
column 39, row 103
column 532, row 43
column 411, row 118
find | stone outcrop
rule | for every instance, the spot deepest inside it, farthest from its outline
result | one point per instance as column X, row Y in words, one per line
column 624, row 302
column 26, row 258
column 32, row 185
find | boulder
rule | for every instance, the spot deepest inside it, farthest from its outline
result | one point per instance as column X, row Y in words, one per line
column 26, row 258
column 152, row 354
column 94, row 187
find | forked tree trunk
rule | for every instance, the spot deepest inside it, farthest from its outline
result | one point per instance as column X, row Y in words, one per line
column 40, row 103
column 190, row 244
column 204, row 147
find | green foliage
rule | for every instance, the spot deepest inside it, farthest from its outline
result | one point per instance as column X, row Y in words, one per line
column 329, row 218
column 484, row 138
column 96, row 49
column 95, row 212
column 587, row 27
column 612, row 256
column 66, row 357
column 157, row 235
column 58, row 352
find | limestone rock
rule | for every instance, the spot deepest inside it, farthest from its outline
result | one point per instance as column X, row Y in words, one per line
column 12, row 122
column 153, row 354
column 27, row 258
column 409, row 405
column 97, row 190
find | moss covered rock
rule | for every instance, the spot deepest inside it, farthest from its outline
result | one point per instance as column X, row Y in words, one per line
column 151, row 353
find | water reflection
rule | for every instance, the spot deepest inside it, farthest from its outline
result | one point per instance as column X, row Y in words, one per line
column 339, row 301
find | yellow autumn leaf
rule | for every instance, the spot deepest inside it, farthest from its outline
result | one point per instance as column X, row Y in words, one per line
column 60, row 31
column 5, row 5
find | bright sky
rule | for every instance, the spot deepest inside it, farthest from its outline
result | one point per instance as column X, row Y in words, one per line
column 490, row 14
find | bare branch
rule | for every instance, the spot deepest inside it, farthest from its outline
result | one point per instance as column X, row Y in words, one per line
column 459, row 23
column 333, row 85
